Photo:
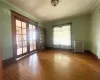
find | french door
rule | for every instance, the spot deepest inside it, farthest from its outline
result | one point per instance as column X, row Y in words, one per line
column 23, row 35
column 32, row 37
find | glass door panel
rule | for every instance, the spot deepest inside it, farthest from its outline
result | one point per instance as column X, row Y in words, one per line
column 19, row 51
column 18, row 23
column 19, row 48
column 32, row 37
column 21, row 37
column 24, row 37
column 18, row 37
column 24, row 49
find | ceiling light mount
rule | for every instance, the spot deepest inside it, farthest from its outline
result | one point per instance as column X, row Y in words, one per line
column 54, row 2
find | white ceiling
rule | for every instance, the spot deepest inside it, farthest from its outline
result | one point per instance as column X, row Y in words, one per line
column 44, row 11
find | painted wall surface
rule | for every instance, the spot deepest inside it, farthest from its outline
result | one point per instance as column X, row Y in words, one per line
column 95, row 31
column 6, row 29
column 6, row 39
column 80, row 30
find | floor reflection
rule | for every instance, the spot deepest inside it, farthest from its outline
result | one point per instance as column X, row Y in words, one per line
column 61, row 62
column 34, row 63
column 54, row 65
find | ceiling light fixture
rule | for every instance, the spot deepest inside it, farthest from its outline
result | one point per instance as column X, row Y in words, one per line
column 54, row 2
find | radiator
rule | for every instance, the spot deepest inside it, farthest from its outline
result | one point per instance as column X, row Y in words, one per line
column 78, row 46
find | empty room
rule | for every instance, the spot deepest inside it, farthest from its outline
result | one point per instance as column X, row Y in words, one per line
column 49, row 39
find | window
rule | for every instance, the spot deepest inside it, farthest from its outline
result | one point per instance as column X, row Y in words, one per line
column 62, row 35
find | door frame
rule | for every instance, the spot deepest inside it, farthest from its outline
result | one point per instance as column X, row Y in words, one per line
column 14, row 16
column 29, row 40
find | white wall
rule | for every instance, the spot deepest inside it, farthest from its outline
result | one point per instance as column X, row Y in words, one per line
column 95, row 31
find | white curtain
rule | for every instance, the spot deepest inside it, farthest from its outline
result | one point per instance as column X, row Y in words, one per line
column 62, row 36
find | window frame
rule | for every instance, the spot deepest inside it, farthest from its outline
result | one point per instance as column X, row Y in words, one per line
column 60, row 25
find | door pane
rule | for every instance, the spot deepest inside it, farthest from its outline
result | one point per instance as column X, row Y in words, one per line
column 23, row 25
column 21, row 37
column 24, row 49
column 23, row 31
column 24, row 37
column 32, row 37
column 34, row 47
column 24, row 43
column 31, row 48
column 31, row 43
column 18, row 30
column 18, row 38
column 19, row 44
column 18, row 23
column 30, row 27
column 19, row 51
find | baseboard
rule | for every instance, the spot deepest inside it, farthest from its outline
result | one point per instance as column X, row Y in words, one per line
column 11, row 61
column 8, row 62
column 87, row 51
column 94, row 55
column 51, row 48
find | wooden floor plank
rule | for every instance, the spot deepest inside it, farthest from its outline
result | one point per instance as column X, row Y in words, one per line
column 55, row 65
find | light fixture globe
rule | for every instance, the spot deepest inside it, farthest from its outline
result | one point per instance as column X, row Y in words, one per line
column 54, row 2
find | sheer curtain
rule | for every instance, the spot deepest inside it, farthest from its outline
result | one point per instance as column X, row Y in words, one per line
column 62, row 36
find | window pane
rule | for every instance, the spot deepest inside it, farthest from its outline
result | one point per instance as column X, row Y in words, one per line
column 18, row 38
column 18, row 23
column 31, row 43
column 24, row 49
column 18, row 30
column 23, row 25
column 56, row 28
column 31, row 35
column 31, row 48
column 62, row 35
column 23, row 31
column 19, row 44
column 24, row 37
column 34, row 47
column 30, row 27
column 34, row 44
column 19, row 51
column 24, row 43
column 34, row 35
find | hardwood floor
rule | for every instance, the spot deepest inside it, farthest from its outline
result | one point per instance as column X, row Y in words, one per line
column 55, row 65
